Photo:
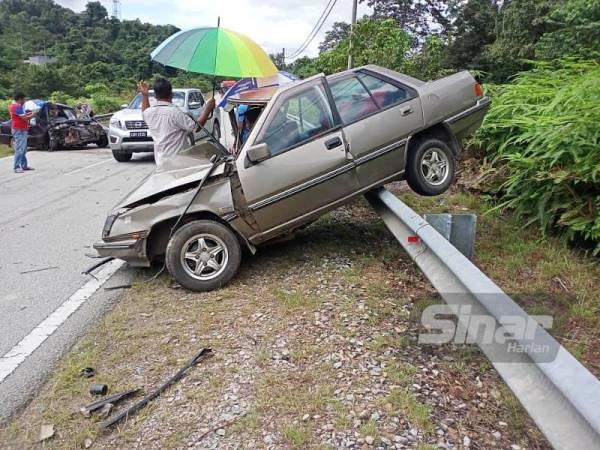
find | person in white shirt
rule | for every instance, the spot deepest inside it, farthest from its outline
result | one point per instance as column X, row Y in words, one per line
column 169, row 125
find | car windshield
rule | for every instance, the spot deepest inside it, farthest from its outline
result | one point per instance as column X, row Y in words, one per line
column 178, row 100
column 69, row 114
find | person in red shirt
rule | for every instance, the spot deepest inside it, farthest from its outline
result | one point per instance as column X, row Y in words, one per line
column 20, row 129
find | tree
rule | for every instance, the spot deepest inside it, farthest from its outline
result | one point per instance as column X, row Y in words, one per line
column 419, row 17
column 475, row 29
column 374, row 42
column 339, row 32
column 574, row 30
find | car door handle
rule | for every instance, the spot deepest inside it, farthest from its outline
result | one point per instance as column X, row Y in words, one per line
column 333, row 143
column 406, row 111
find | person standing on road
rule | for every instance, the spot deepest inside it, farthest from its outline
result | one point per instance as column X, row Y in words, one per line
column 170, row 126
column 19, row 119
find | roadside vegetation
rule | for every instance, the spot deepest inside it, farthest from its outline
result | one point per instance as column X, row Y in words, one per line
column 315, row 346
column 5, row 150
column 542, row 134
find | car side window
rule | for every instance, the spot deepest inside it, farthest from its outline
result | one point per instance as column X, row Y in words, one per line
column 353, row 101
column 297, row 118
column 384, row 93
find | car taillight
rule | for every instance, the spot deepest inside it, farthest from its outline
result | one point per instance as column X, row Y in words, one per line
column 478, row 90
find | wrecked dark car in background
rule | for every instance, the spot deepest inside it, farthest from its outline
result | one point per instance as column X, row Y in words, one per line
column 316, row 145
column 56, row 126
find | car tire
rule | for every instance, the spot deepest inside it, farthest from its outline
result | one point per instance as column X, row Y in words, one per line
column 430, row 167
column 216, row 131
column 122, row 156
column 203, row 255
column 103, row 142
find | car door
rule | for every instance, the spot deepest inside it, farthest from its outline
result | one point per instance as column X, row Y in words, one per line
column 378, row 115
column 195, row 103
column 307, row 169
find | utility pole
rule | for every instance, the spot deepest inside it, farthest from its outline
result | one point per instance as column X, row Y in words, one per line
column 283, row 59
column 352, row 24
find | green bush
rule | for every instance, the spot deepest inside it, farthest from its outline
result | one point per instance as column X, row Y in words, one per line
column 4, row 115
column 544, row 128
column 103, row 104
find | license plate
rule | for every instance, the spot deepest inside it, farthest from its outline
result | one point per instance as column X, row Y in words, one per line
column 138, row 134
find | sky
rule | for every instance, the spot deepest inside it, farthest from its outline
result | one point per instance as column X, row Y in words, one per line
column 274, row 24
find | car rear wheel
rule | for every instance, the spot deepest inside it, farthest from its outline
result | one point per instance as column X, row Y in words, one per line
column 122, row 156
column 430, row 167
column 203, row 255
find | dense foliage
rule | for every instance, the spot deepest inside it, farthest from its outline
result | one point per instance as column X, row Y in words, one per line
column 90, row 48
column 544, row 129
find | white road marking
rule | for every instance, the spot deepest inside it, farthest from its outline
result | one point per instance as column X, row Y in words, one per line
column 11, row 360
column 81, row 169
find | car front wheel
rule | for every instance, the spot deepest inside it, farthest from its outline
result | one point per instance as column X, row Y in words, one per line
column 430, row 167
column 203, row 255
column 122, row 156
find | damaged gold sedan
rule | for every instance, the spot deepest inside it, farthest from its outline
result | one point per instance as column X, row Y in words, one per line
column 312, row 146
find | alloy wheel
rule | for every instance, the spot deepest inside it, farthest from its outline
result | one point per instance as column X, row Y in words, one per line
column 434, row 166
column 204, row 256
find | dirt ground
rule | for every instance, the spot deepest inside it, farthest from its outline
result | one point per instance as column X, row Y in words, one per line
column 314, row 347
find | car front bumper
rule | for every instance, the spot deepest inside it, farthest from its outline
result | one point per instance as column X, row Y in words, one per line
column 133, row 251
column 121, row 141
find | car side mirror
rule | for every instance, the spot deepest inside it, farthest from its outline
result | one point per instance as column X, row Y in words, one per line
column 258, row 153
column 195, row 105
column 124, row 105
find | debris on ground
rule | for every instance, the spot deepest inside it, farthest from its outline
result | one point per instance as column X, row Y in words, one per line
column 98, row 389
column 88, row 410
column 201, row 356
column 87, row 372
column 46, row 432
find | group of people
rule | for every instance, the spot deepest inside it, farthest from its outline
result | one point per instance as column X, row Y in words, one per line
column 169, row 125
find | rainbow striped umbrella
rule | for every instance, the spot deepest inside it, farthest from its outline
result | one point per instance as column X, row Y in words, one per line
column 214, row 51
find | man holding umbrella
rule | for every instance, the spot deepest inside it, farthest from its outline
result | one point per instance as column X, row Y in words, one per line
column 170, row 126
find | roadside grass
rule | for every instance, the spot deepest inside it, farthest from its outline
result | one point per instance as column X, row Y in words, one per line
column 5, row 150
column 340, row 299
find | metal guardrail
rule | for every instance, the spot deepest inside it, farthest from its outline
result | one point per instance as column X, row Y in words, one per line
column 561, row 395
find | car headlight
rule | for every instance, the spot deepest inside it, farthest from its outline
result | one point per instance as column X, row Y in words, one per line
column 110, row 221
column 116, row 123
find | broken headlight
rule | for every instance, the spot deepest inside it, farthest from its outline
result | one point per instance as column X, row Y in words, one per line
column 116, row 123
column 110, row 220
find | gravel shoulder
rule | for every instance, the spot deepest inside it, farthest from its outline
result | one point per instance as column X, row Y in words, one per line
column 315, row 347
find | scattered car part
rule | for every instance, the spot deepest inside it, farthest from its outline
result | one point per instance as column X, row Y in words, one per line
column 201, row 356
column 46, row 432
column 39, row 270
column 122, row 286
column 95, row 266
column 98, row 389
column 87, row 372
column 113, row 399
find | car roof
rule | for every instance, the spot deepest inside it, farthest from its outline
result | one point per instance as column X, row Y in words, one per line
column 262, row 96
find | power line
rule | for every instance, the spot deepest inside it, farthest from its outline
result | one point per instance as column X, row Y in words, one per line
column 315, row 30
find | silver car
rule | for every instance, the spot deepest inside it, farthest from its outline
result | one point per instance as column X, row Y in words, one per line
column 316, row 145
column 128, row 132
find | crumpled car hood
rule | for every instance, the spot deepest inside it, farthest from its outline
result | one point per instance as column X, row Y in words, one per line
column 186, row 167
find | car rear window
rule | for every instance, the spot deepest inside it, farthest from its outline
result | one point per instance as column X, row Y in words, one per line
column 384, row 93
column 353, row 101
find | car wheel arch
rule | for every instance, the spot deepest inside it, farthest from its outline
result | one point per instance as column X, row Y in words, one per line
column 439, row 131
column 158, row 238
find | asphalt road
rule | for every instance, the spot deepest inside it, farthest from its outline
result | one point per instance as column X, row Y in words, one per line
column 49, row 219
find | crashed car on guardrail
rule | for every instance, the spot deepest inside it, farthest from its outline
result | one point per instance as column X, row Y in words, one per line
column 316, row 145
column 55, row 126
